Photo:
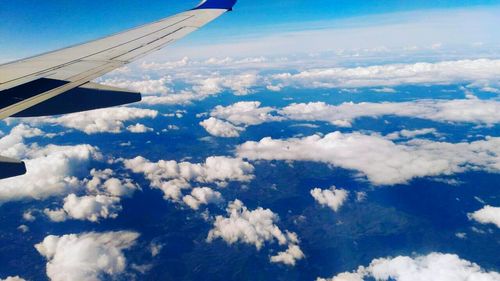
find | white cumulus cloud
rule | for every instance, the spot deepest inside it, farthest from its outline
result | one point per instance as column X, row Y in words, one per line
column 255, row 227
column 52, row 170
column 251, row 227
column 202, row 196
column 435, row 266
column 220, row 128
column 333, row 198
column 245, row 113
column 488, row 214
column 139, row 128
column 91, row 208
column 102, row 199
column 86, row 257
column 290, row 256
column 106, row 182
column 225, row 119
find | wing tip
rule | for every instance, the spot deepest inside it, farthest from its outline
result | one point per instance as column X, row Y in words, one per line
column 10, row 169
column 216, row 4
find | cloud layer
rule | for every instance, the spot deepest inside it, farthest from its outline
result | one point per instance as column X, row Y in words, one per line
column 225, row 119
column 382, row 161
column 460, row 110
column 445, row 72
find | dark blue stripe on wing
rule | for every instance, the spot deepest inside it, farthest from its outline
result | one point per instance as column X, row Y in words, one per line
column 217, row 4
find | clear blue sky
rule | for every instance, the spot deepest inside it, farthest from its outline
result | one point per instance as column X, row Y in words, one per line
column 30, row 26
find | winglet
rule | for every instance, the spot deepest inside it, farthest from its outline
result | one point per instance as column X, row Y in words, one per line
column 11, row 168
column 216, row 4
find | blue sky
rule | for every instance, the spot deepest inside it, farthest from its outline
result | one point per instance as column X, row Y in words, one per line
column 28, row 27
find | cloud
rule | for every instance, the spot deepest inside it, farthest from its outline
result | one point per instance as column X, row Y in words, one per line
column 108, row 120
column 255, row 227
column 58, row 171
column 238, row 114
column 173, row 177
column 91, row 208
column 28, row 216
column 86, row 257
column 105, row 182
column 197, row 80
column 409, row 134
column 487, row 214
column 23, row 228
column 382, row 161
column 435, row 266
column 104, row 192
column 333, row 198
column 239, row 84
column 445, row 72
column 484, row 112
column 251, row 227
column 385, row 90
column 182, row 97
column 147, row 86
column 202, row 196
column 52, row 170
column 12, row 145
column 361, row 196
column 139, row 128
column 199, row 84
column 460, row 110
column 215, row 169
column 220, row 128
column 155, row 249
column 58, row 215
column 13, row 278
column 245, row 113
column 290, row 256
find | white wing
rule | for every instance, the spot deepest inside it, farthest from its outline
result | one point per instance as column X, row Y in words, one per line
column 58, row 82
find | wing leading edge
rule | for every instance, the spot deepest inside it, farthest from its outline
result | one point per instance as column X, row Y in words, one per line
column 58, row 82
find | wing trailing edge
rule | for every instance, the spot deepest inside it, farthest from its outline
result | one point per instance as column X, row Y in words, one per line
column 11, row 168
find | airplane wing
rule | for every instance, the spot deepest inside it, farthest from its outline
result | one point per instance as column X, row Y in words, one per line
column 58, row 82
